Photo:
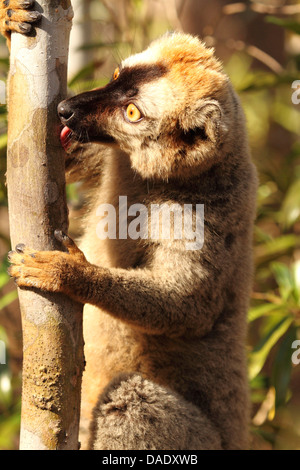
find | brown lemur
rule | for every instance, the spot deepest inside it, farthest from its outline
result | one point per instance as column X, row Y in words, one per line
column 164, row 326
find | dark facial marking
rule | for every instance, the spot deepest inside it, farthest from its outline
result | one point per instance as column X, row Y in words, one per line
column 191, row 137
column 6, row 3
column 84, row 110
column 229, row 241
column 124, row 87
column 134, row 77
column 9, row 13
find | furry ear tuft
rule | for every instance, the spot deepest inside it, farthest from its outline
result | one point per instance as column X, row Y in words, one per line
column 205, row 121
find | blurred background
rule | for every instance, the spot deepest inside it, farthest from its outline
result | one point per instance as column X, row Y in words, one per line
column 259, row 44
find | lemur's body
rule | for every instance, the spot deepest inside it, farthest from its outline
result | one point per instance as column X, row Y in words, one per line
column 164, row 326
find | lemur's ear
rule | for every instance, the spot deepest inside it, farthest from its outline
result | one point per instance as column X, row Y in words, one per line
column 205, row 121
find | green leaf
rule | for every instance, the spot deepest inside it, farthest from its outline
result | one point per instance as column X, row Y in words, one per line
column 290, row 209
column 4, row 61
column 4, row 277
column 266, row 80
column 8, row 299
column 261, row 236
column 260, row 353
column 282, row 368
column 3, row 141
column 284, row 279
column 291, row 25
column 264, row 310
column 277, row 246
column 9, row 428
column 260, row 382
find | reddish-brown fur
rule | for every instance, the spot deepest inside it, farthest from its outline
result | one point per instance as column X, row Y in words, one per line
column 164, row 327
column 16, row 15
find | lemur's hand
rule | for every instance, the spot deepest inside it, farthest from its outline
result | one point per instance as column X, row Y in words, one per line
column 17, row 15
column 52, row 271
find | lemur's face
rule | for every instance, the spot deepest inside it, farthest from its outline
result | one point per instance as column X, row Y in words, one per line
column 163, row 106
column 115, row 112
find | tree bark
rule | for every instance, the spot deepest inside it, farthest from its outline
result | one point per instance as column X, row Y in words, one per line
column 52, row 324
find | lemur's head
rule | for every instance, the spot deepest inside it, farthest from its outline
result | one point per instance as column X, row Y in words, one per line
column 171, row 108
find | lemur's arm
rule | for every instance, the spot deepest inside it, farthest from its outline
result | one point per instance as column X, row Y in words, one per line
column 17, row 15
column 159, row 302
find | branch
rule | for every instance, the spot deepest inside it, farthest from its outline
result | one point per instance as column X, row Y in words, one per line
column 239, row 7
column 258, row 54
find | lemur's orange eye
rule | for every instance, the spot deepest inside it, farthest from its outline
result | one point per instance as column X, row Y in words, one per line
column 116, row 73
column 133, row 113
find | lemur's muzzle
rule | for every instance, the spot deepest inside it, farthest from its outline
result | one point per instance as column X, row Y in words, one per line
column 65, row 112
column 81, row 117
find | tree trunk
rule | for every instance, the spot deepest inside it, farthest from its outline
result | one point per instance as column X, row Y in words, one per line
column 52, row 324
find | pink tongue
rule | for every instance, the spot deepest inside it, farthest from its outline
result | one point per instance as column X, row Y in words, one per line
column 64, row 137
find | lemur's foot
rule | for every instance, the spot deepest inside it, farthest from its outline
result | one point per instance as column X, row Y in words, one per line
column 17, row 15
column 46, row 270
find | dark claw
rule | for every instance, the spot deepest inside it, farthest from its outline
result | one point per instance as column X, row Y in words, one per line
column 25, row 27
column 35, row 15
column 20, row 248
column 60, row 236
column 9, row 254
column 27, row 3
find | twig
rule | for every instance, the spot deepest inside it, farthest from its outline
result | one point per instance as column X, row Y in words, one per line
column 266, row 408
column 272, row 10
column 266, row 297
column 258, row 54
column 234, row 8
column 239, row 7
column 265, row 58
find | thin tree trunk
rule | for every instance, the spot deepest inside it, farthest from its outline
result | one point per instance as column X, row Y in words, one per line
column 52, row 324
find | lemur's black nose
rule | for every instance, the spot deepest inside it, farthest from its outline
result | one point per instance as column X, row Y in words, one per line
column 65, row 111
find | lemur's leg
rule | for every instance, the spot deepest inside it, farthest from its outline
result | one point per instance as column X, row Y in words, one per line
column 17, row 15
column 136, row 414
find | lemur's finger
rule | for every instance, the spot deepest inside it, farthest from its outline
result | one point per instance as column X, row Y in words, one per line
column 20, row 248
column 68, row 243
column 22, row 28
column 19, row 4
column 16, row 15
column 23, row 16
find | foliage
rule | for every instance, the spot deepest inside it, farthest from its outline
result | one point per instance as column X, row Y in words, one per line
column 274, row 127
column 274, row 316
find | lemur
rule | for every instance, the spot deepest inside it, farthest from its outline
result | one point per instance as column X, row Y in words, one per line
column 164, row 326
